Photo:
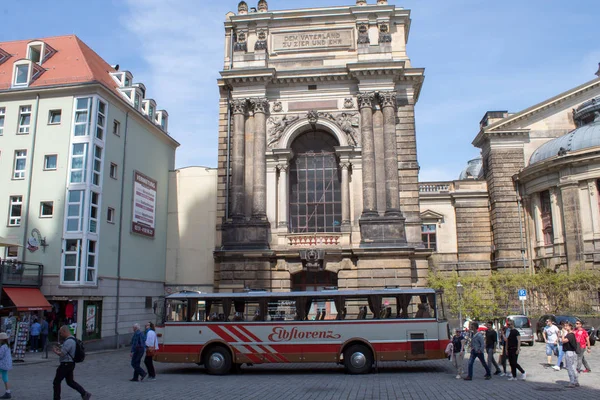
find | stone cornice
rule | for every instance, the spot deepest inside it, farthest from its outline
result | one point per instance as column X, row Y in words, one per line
column 235, row 77
column 485, row 134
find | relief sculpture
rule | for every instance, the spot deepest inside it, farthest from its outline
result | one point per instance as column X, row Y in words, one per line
column 276, row 126
column 348, row 122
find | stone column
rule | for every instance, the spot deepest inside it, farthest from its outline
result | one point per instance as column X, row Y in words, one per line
column 365, row 104
column 392, row 195
column 595, row 207
column 557, row 223
column 569, row 193
column 536, row 211
column 282, row 200
column 238, row 107
column 259, row 200
column 345, row 166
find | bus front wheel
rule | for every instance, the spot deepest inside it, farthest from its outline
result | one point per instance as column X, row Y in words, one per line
column 358, row 359
column 218, row 361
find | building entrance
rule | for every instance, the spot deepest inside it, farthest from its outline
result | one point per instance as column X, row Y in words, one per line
column 313, row 280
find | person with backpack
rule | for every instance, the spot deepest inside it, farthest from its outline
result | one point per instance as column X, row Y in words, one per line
column 5, row 364
column 138, row 345
column 458, row 352
column 68, row 357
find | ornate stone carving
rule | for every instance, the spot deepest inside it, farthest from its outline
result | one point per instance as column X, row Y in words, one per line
column 361, row 2
column 242, row 8
column 384, row 34
column 388, row 99
column 365, row 99
column 382, row 2
column 260, row 105
column 348, row 102
column 313, row 117
column 276, row 126
column 238, row 106
column 344, row 165
column 240, row 43
column 363, row 34
column 263, row 6
column 283, row 167
column 348, row 122
column 277, row 106
column 261, row 43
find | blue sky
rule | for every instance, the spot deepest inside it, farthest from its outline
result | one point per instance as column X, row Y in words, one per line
column 478, row 56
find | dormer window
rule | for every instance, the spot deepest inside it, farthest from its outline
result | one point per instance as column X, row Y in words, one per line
column 162, row 119
column 38, row 52
column 151, row 112
column 123, row 78
column 35, row 53
column 3, row 56
column 127, row 81
column 25, row 72
column 21, row 74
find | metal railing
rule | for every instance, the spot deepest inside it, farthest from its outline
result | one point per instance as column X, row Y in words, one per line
column 16, row 273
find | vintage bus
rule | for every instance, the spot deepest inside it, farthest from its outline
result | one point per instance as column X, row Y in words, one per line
column 356, row 328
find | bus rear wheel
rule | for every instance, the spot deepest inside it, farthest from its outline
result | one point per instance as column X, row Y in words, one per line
column 217, row 361
column 358, row 359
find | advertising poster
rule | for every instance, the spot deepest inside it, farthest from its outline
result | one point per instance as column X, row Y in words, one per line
column 90, row 320
column 144, row 205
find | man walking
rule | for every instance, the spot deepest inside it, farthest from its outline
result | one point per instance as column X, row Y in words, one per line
column 569, row 348
column 584, row 345
column 137, row 352
column 67, row 364
column 458, row 352
column 513, row 348
column 551, row 333
column 491, row 341
column 35, row 335
column 477, row 348
column 504, row 332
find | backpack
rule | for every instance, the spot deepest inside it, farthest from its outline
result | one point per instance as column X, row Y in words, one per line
column 79, row 351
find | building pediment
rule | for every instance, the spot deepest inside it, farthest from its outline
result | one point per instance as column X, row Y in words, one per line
column 428, row 215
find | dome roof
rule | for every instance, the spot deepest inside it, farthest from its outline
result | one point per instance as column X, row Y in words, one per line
column 587, row 135
column 474, row 170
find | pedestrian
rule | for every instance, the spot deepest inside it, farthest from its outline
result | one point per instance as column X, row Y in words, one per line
column 66, row 352
column 137, row 352
column 513, row 348
column 477, row 349
column 504, row 332
column 44, row 333
column 5, row 364
column 550, row 334
column 458, row 352
column 561, row 353
column 491, row 342
column 584, row 346
column 35, row 335
column 570, row 350
column 151, row 348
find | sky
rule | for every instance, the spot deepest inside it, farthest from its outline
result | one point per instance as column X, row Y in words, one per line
column 478, row 56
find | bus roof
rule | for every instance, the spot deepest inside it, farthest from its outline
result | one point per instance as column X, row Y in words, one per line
column 321, row 293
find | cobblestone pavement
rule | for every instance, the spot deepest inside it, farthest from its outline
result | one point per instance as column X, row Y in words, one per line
column 106, row 376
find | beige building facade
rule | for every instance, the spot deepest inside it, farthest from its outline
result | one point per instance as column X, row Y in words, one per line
column 318, row 173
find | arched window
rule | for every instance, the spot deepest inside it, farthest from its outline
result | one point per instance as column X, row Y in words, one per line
column 315, row 188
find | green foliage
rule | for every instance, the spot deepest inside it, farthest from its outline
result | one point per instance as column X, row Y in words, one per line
column 487, row 297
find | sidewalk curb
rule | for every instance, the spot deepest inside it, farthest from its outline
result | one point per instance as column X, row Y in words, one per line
column 53, row 357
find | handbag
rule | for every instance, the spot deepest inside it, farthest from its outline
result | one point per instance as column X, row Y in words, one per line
column 151, row 351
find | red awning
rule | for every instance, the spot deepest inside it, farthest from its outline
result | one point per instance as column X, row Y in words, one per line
column 28, row 299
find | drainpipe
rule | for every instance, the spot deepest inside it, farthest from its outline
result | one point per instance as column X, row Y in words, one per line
column 119, row 246
column 28, row 204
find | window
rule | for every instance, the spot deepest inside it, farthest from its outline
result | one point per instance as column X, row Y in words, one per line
column 11, row 253
column 94, row 202
column 110, row 215
column 54, row 117
column 148, row 302
column 127, row 81
column 101, row 120
column 21, row 75
column 90, row 275
column 2, row 114
column 113, row 170
column 14, row 210
column 428, row 235
column 151, row 112
column 315, row 187
column 20, row 163
column 82, row 116
column 116, row 128
column 75, row 200
column 50, row 161
column 96, row 174
column 78, row 162
column 547, row 225
column 136, row 103
column 35, row 53
column 46, row 209
column 71, row 260
column 24, row 119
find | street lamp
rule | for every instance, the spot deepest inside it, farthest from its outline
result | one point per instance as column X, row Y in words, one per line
column 460, row 289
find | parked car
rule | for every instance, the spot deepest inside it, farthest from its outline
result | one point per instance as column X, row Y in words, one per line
column 523, row 325
column 557, row 319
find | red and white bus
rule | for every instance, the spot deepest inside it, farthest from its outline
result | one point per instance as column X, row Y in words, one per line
column 355, row 328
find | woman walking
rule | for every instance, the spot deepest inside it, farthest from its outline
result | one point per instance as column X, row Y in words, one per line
column 5, row 363
column 569, row 349
column 513, row 348
column 151, row 348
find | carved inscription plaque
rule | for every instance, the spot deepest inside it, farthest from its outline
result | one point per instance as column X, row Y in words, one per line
column 308, row 40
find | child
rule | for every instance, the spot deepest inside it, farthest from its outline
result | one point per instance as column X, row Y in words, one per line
column 5, row 363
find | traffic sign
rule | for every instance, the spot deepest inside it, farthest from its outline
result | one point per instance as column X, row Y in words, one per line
column 522, row 294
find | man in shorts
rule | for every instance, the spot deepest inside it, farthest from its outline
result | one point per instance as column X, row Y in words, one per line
column 550, row 333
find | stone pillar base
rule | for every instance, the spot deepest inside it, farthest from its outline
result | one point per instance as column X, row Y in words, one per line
column 251, row 234
column 383, row 231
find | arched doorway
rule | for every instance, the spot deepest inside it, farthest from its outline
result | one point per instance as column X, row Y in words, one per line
column 315, row 202
column 313, row 280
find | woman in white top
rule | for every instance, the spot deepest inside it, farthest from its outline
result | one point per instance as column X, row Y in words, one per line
column 151, row 348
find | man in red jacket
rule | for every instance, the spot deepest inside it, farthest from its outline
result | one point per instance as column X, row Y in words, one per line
column 583, row 339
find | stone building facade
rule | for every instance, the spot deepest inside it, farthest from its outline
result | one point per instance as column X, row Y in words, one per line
column 317, row 171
